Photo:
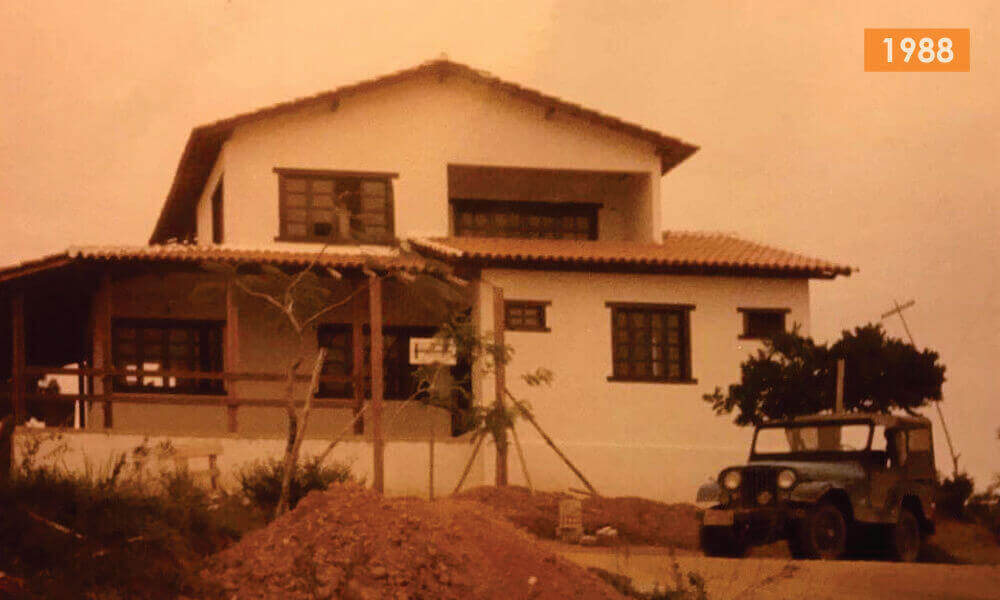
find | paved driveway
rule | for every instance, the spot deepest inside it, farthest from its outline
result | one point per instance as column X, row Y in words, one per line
column 770, row 578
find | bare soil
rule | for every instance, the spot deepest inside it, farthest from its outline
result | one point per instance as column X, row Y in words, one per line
column 349, row 543
column 638, row 520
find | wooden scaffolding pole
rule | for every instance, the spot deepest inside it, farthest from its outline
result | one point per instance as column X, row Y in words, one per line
column 102, row 340
column 232, row 356
column 500, row 384
column 358, row 357
column 378, row 443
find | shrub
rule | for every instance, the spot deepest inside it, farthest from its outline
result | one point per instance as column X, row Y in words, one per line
column 261, row 480
column 953, row 494
column 76, row 536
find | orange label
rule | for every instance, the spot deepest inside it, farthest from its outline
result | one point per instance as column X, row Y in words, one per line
column 927, row 50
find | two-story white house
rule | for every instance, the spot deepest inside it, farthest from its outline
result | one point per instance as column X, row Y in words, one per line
column 554, row 207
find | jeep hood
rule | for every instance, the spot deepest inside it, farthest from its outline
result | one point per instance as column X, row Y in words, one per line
column 815, row 470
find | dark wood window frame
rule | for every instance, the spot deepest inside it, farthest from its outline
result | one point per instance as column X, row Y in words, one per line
column 354, row 206
column 516, row 317
column 218, row 226
column 748, row 313
column 202, row 351
column 621, row 344
column 397, row 369
column 505, row 218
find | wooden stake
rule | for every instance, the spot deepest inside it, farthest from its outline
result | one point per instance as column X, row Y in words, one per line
column 430, row 467
column 468, row 465
column 499, row 371
column 548, row 440
column 378, row 443
column 520, row 456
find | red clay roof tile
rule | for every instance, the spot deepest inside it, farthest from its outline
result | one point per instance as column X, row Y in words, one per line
column 680, row 252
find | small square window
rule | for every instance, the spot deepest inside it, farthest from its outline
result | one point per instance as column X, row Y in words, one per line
column 525, row 315
column 762, row 323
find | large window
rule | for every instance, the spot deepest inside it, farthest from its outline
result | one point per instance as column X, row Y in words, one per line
column 145, row 347
column 335, row 206
column 651, row 342
column 551, row 220
column 762, row 323
column 398, row 373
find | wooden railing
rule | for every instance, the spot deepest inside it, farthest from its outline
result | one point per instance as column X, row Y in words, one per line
column 230, row 400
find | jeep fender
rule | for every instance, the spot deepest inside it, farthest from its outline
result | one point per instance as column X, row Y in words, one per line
column 710, row 492
column 811, row 491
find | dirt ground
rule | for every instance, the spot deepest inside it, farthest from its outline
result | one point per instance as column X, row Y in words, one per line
column 349, row 543
column 774, row 579
column 638, row 520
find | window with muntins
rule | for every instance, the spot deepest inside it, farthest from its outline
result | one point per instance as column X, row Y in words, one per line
column 335, row 206
column 651, row 342
column 148, row 346
column 762, row 323
column 545, row 220
column 399, row 382
column 525, row 315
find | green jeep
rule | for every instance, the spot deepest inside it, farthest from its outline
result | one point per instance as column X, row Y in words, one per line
column 825, row 484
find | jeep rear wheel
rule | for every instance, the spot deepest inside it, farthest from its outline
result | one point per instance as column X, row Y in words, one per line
column 721, row 541
column 905, row 541
column 821, row 534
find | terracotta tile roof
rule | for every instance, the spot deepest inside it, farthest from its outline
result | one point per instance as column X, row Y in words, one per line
column 205, row 141
column 680, row 252
column 343, row 257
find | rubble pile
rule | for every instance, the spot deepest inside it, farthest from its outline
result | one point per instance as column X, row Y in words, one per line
column 635, row 520
column 349, row 543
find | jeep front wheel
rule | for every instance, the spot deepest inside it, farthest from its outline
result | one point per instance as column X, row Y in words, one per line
column 721, row 541
column 821, row 534
column 906, row 537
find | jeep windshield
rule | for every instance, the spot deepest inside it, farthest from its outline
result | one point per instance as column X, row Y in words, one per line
column 812, row 439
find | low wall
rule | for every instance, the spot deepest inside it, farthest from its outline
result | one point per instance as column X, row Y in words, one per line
column 406, row 461
column 669, row 473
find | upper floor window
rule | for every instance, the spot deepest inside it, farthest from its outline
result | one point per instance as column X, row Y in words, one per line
column 762, row 323
column 551, row 220
column 335, row 206
column 651, row 342
column 144, row 348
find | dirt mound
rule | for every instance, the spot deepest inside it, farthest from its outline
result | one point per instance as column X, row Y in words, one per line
column 638, row 520
column 349, row 543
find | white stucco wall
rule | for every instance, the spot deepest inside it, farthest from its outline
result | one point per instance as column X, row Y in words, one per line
column 658, row 440
column 416, row 129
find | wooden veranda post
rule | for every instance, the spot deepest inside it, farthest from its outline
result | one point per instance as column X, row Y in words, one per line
column 232, row 356
column 500, row 384
column 378, row 443
column 358, row 357
column 17, row 357
column 102, row 340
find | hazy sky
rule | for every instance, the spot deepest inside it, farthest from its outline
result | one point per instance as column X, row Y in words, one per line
column 895, row 173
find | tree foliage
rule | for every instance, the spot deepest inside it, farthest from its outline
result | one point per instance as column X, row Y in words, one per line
column 792, row 376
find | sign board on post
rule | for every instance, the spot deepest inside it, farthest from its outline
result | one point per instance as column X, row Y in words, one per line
column 428, row 351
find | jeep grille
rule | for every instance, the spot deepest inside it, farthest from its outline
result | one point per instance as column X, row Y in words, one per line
column 756, row 480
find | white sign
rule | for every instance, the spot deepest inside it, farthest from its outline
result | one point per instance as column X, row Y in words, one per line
column 427, row 351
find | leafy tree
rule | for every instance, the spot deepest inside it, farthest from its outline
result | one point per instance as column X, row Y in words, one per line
column 792, row 376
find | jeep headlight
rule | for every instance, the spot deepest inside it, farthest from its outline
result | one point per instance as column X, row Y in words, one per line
column 786, row 479
column 731, row 480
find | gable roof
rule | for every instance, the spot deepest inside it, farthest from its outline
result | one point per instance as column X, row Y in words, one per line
column 205, row 142
column 681, row 253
